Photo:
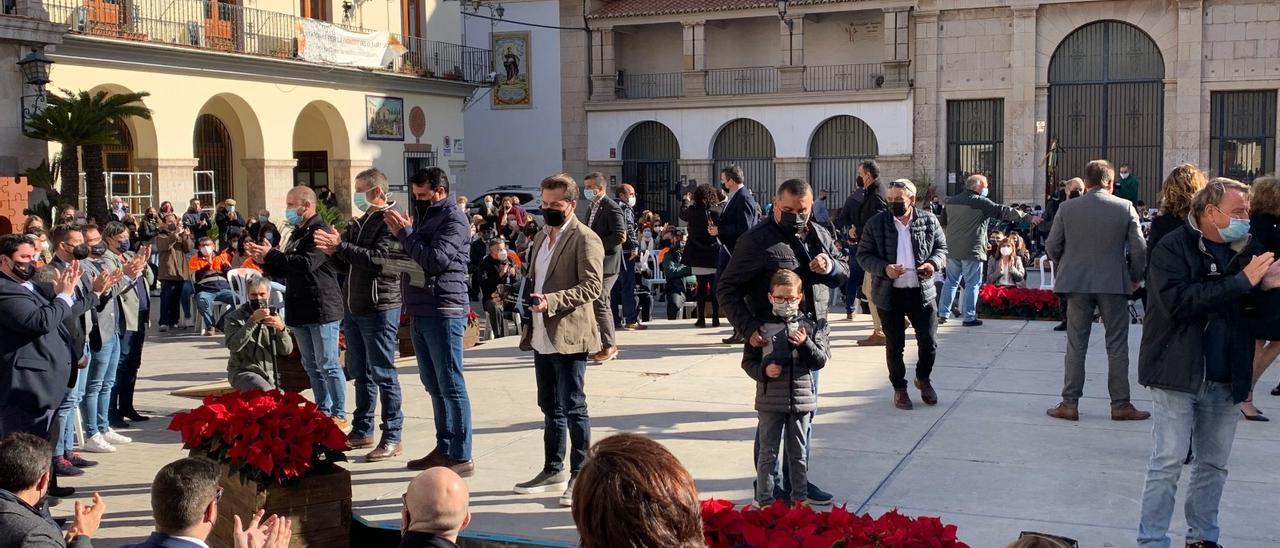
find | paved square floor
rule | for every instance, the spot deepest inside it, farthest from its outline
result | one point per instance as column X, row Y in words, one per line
column 986, row 458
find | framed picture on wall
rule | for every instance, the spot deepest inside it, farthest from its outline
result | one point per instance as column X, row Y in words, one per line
column 383, row 118
column 511, row 56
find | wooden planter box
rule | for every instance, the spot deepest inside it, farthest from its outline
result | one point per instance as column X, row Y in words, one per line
column 319, row 507
column 405, row 340
column 293, row 376
column 471, row 336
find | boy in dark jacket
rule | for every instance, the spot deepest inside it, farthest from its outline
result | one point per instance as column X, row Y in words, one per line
column 785, row 392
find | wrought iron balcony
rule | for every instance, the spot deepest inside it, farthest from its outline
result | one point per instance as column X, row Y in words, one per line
column 847, row 77
column 743, row 81
column 217, row 26
column 653, row 85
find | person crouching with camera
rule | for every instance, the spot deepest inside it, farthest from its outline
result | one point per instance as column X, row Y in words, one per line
column 256, row 337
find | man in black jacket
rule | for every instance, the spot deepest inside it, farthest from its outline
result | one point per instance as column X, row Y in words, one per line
column 605, row 218
column 873, row 201
column 1197, row 355
column 313, row 313
column 785, row 240
column 740, row 213
column 372, row 320
column 901, row 250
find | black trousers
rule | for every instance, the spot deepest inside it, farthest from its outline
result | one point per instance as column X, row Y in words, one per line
column 562, row 397
column 908, row 303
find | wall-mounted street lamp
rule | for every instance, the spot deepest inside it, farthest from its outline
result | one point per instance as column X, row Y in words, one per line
column 782, row 16
column 782, row 12
column 348, row 10
column 35, row 73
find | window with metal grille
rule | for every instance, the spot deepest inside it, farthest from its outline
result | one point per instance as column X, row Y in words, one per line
column 213, row 152
column 975, row 142
column 414, row 162
column 749, row 145
column 1242, row 134
column 838, row 146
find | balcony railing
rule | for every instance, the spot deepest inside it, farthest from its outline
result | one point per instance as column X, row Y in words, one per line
column 844, row 77
column 743, row 81
column 230, row 28
column 646, row 86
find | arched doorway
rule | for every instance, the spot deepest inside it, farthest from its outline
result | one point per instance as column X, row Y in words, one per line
column 650, row 156
column 320, row 147
column 839, row 144
column 747, row 144
column 213, row 150
column 1106, row 101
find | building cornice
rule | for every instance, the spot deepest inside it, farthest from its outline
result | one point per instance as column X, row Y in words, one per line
column 773, row 99
column 702, row 16
column 30, row 31
column 151, row 57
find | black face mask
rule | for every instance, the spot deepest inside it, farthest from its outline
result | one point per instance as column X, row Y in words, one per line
column 678, row 247
column 23, row 272
column 98, row 250
column 860, row 183
column 898, row 209
column 1074, row 194
column 555, row 217
column 793, row 222
column 80, row 252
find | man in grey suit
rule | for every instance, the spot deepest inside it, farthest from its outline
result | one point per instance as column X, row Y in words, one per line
column 604, row 216
column 1097, row 244
column 24, row 516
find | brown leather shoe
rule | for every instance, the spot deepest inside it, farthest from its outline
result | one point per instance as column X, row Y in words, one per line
column 1064, row 411
column 384, row 451
column 927, row 392
column 848, row 316
column 635, row 327
column 902, row 400
column 433, row 459
column 876, row 339
column 1127, row 412
column 605, row 354
column 465, row 468
column 359, row 443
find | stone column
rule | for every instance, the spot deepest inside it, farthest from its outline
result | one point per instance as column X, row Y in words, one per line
column 695, row 59
column 792, row 42
column 699, row 170
column 171, row 178
column 928, row 136
column 789, row 168
column 268, row 182
column 1183, row 141
column 342, row 175
column 604, row 72
column 1020, row 158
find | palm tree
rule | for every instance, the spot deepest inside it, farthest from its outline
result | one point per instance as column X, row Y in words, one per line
column 85, row 122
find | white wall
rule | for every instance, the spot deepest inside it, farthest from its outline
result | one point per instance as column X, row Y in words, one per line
column 649, row 48
column 792, row 126
column 827, row 41
column 743, row 43
column 516, row 146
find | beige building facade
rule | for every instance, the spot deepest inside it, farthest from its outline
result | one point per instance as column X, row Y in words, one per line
column 249, row 100
column 1025, row 92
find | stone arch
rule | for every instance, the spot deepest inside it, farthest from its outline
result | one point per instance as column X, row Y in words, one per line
column 142, row 132
column 1056, row 22
column 650, row 163
column 749, row 145
column 836, row 147
column 245, row 134
column 322, row 150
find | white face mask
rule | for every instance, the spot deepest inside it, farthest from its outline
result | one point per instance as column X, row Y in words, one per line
column 1006, row 250
column 207, row 250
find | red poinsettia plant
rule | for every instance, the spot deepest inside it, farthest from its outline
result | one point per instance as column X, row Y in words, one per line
column 1018, row 302
column 727, row 526
column 473, row 319
column 268, row 437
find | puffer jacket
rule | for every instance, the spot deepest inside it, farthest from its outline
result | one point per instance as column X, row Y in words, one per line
column 368, row 289
column 743, row 288
column 252, row 345
column 793, row 391
column 1184, row 290
column 878, row 249
column 439, row 243
column 173, row 251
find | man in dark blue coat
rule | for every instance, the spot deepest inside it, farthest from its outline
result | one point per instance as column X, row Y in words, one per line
column 437, row 238
column 740, row 214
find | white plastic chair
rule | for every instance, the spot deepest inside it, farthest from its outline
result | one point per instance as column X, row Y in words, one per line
column 656, row 278
column 1046, row 274
column 239, row 278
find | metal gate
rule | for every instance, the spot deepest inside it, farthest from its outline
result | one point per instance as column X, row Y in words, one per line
column 839, row 145
column 975, row 144
column 1242, row 134
column 137, row 189
column 213, row 152
column 747, row 144
column 650, row 157
column 1106, row 101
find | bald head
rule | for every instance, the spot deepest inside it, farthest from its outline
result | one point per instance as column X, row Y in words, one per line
column 436, row 502
column 303, row 199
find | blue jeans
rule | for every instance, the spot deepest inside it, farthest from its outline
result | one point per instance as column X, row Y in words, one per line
column 970, row 270
column 67, row 427
column 205, row 299
column 851, row 287
column 101, row 378
column 318, row 345
column 371, row 356
column 438, row 344
column 624, row 293
column 1206, row 423
column 562, row 398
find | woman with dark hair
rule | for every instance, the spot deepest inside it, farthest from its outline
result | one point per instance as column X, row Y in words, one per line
column 700, row 209
column 633, row 493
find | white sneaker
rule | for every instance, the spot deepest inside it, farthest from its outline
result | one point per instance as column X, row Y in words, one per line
column 97, row 444
column 115, row 438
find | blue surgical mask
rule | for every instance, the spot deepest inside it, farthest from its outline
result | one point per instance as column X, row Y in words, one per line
column 1236, row 230
column 985, row 191
column 589, row 194
column 292, row 216
column 361, row 202
column 124, row 245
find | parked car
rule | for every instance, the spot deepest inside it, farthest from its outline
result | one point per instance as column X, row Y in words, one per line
column 528, row 197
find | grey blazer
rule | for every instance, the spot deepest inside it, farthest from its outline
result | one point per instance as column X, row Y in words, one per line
column 128, row 302
column 1097, row 243
column 20, row 525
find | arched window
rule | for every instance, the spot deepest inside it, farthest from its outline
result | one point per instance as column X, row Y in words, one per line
column 748, row 145
column 650, row 156
column 839, row 144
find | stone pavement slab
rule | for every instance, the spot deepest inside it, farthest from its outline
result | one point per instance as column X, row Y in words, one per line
column 986, row 458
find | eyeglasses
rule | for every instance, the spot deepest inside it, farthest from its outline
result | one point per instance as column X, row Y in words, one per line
column 784, row 299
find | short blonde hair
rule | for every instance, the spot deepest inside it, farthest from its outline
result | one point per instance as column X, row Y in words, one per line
column 1265, row 196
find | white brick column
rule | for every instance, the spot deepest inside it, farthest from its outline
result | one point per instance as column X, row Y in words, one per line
column 1022, row 180
column 1183, row 141
column 604, row 72
column 929, row 137
column 695, row 58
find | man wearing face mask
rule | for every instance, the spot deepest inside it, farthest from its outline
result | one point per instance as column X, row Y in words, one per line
column 437, row 237
column 1128, row 186
column 489, row 212
column 256, row 338
column 313, row 314
column 902, row 249
column 740, row 213
column 606, row 219
column 230, row 223
column 119, row 211
column 1097, row 245
column 784, row 240
column 372, row 320
column 1197, row 354
column 968, row 216
column 1070, row 190
column 196, row 220
column 624, row 293
column 263, row 230
column 135, row 307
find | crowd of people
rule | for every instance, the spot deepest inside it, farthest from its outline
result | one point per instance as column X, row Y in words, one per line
column 585, row 268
